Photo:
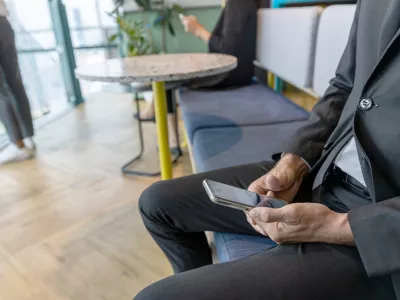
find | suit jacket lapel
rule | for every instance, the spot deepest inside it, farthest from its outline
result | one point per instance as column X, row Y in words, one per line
column 389, row 47
column 385, row 58
column 390, row 25
column 393, row 46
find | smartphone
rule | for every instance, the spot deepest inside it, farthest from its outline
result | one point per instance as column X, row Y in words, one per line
column 234, row 197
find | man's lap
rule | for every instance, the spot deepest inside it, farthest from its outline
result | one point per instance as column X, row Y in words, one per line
column 299, row 271
column 185, row 201
column 305, row 271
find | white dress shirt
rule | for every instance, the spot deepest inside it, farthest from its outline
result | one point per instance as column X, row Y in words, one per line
column 348, row 161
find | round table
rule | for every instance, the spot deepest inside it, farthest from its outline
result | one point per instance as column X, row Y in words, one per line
column 159, row 69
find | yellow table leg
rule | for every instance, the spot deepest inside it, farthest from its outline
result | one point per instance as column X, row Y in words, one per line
column 160, row 105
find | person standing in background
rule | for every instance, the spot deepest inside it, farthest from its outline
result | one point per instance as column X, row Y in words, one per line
column 15, row 111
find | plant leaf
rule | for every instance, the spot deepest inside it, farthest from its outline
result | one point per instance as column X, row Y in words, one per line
column 113, row 37
column 131, row 48
column 171, row 28
column 159, row 20
column 178, row 9
column 145, row 4
column 133, row 36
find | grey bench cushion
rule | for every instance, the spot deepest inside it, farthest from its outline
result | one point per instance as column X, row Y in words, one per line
column 251, row 105
column 286, row 42
column 215, row 148
column 333, row 34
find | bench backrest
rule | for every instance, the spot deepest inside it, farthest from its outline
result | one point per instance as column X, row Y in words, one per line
column 333, row 33
column 286, row 43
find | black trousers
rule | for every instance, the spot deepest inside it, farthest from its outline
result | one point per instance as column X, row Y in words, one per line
column 15, row 111
column 177, row 213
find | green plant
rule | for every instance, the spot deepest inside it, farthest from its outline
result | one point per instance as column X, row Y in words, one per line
column 166, row 14
column 132, row 34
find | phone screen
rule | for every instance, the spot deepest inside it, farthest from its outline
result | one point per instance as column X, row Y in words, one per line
column 234, row 194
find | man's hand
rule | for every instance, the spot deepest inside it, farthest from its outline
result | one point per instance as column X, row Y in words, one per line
column 302, row 223
column 284, row 179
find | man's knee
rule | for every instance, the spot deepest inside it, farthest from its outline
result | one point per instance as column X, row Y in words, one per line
column 156, row 291
column 154, row 199
column 143, row 295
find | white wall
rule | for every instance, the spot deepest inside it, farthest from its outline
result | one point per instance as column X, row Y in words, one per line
column 131, row 5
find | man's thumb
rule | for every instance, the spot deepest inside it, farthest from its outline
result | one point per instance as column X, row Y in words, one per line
column 272, row 182
column 277, row 180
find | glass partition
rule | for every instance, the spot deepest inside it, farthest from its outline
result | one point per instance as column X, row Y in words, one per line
column 45, row 66
column 38, row 57
column 91, row 28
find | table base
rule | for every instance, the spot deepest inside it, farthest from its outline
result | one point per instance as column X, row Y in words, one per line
column 126, row 169
column 160, row 105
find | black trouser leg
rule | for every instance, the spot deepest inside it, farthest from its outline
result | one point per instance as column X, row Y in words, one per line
column 298, row 272
column 178, row 212
column 17, row 115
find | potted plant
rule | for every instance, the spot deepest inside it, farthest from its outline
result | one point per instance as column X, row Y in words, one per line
column 166, row 14
column 133, row 35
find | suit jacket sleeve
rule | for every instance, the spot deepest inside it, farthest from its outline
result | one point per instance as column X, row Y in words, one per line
column 310, row 140
column 377, row 234
column 228, row 34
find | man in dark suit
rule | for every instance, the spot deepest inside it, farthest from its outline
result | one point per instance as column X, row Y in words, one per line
column 340, row 237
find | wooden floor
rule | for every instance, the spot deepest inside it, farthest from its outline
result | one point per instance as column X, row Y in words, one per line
column 69, row 223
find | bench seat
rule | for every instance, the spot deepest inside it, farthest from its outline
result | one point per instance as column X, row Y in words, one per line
column 215, row 148
column 255, row 104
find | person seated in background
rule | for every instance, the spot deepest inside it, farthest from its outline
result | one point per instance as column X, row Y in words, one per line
column 235, row 34
column 339, row 238
column 15, row 111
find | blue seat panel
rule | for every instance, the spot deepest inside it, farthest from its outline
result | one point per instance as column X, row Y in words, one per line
column 232, row 246
column 256, row 104
column 216, row 148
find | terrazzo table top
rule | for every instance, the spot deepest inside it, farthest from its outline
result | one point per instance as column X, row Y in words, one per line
column 163, row 67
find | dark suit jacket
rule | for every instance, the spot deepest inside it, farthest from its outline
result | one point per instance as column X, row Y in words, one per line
column 235, row 34
column 369, row 69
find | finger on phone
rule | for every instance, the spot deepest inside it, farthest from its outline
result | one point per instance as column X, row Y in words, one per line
column 260, row 230
column 250, row 220
column 267, row 215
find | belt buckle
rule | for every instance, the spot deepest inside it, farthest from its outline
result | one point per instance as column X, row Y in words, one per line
column 347, row 179
column 344, row 177
column 363, row 191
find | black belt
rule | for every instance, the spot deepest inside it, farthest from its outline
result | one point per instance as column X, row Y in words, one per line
column 349, row 181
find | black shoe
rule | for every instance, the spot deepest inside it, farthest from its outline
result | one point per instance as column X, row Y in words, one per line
column 136, row 116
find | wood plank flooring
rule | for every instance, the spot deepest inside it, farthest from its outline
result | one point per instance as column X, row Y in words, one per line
column 69, row 223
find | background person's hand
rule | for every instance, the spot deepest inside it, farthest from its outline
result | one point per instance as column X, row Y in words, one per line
column 284, row 179
column 302, row 223
column 191, row 24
